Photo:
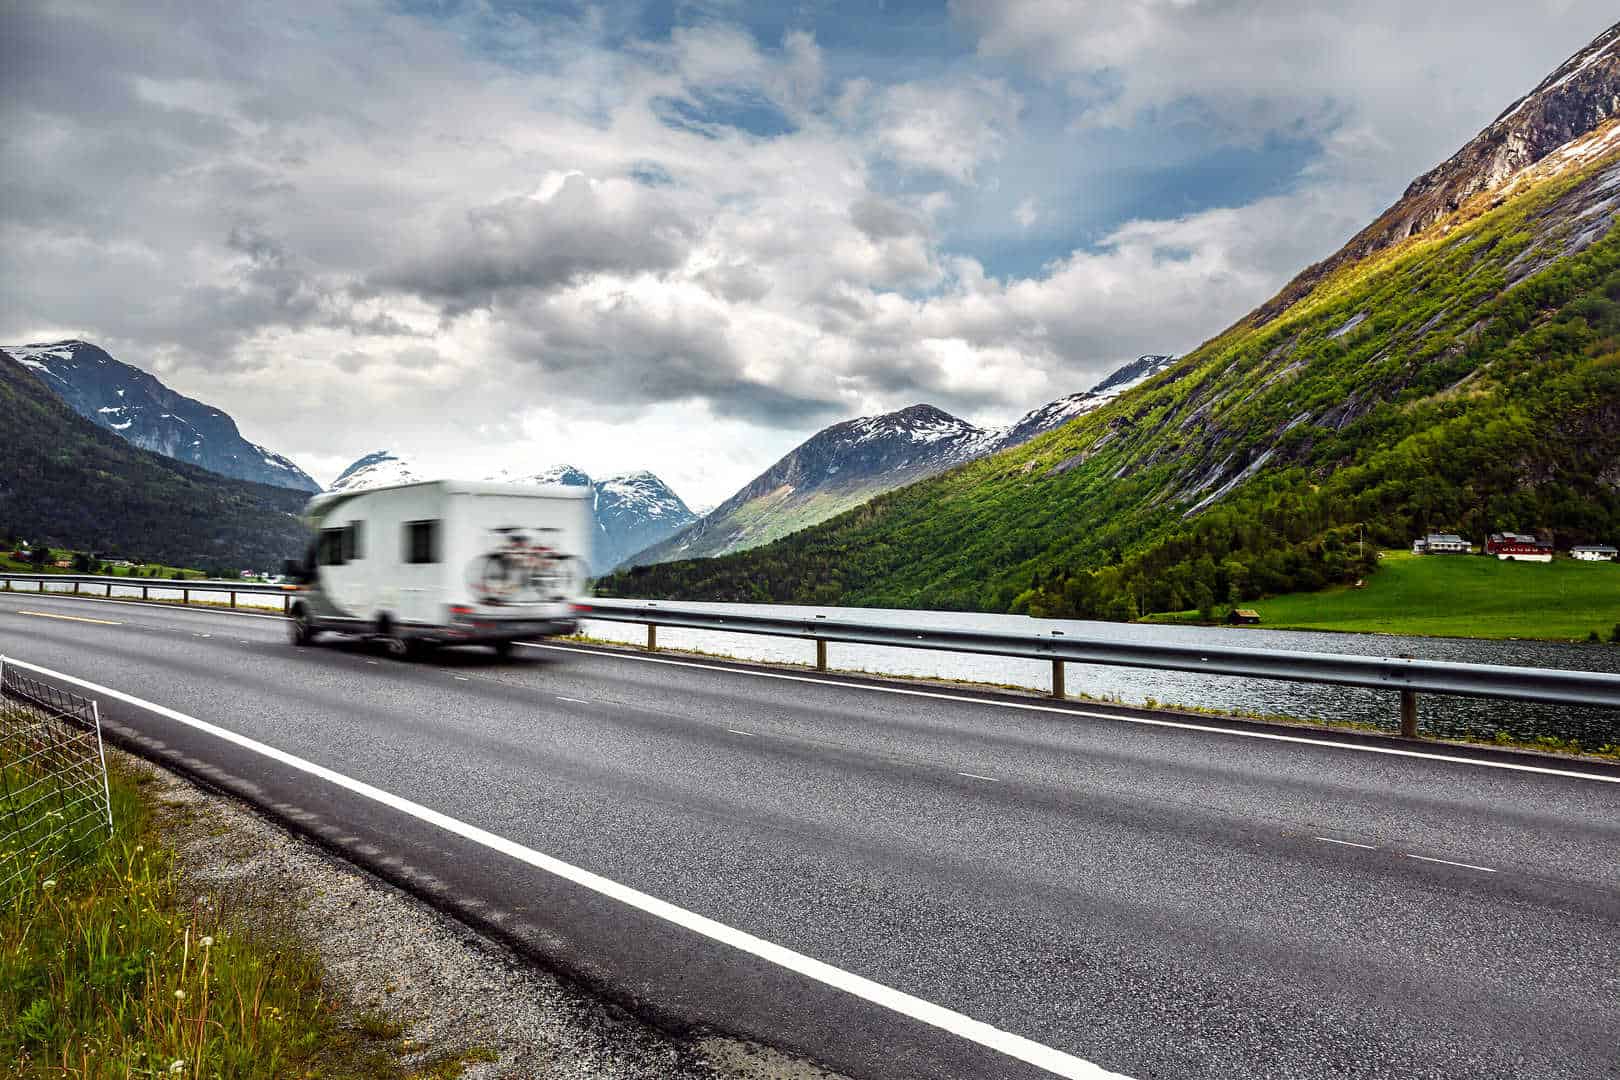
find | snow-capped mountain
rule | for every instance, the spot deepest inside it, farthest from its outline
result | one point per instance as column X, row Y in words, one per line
column 1057, row 413
column 137, row 406
column 377, row 469
column 633, row 510
column 850, row 462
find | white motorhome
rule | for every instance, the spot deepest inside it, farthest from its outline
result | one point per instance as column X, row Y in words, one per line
column 444, row 563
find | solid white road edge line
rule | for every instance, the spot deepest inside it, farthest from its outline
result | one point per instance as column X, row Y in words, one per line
column 1448, row 862
column 1031, row 707
column 975, row 1031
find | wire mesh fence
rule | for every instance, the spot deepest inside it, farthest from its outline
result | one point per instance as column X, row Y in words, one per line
column 55, row 806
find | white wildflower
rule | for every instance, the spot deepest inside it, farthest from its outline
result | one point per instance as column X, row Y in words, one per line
column 180, row 995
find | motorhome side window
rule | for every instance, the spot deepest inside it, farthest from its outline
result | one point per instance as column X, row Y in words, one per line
column 352, row 545
column 330, row 549
column 421, row 541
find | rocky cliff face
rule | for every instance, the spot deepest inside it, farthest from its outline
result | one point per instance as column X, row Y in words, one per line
column 1579, row 97
column 140, row 409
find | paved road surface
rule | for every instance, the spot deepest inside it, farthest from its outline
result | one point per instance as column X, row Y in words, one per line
column 1156, row 900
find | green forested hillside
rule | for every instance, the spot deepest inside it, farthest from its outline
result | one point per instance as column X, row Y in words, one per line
column 1466, row 379
column 67, row 483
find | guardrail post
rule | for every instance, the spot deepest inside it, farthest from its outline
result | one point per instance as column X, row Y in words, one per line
column 233, row 598
column 286, row 605
column 185, row 596
column 821, row 654
column 109, row 588
column 652, row 637
column 1409, row 725
column 143, row 592
column 1057, row 679
column 75, row 587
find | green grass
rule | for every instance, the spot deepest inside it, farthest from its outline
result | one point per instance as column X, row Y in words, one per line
column 1460, row 596
column 8, row 565
column 114, row 968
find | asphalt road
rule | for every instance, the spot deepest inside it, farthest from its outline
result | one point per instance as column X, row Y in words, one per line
column 1157, row 900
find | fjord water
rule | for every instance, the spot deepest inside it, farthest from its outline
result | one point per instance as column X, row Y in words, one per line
column 1447, row 717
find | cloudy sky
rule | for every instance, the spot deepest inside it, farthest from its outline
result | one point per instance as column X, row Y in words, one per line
column 685, row 236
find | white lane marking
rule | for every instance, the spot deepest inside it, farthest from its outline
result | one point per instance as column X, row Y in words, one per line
column 1346, row 843
column 976, row 776
column 462, row 678
column 69, row 618
column 965, row 1027
column 736, row 731
column 575, row 700
column 149, row 604
column 1448, row 862
column 1146, row 721
column 373, row 663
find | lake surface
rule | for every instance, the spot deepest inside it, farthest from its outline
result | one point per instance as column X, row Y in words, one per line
column 1453, row 717
column 1444, row 716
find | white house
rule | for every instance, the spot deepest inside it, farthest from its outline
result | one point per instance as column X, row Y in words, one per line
column 1595, row 553
column 1442, row 544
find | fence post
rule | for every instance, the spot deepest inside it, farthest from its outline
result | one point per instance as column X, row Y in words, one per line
column 1409, row 719
column 652, row 637
column 821, row 654
column 1057, row 679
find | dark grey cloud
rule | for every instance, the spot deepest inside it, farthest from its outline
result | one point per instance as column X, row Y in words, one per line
column 885, row 219
column 627, row 354
column 583, row 229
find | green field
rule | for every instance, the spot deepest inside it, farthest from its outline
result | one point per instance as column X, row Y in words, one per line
column 1461, row 596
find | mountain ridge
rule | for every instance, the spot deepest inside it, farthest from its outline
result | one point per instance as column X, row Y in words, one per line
column 850, row 462
column 140, row 408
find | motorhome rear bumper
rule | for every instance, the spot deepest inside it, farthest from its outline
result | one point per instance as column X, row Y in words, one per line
column 503, row 630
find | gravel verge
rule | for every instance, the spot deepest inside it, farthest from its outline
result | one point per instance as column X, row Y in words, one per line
column 453, row 992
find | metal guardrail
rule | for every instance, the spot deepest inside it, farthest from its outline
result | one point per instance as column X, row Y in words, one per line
column 184, row 586
column 1406, row 677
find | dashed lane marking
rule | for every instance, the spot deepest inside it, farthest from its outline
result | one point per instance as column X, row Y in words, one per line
column 738, row 731
column 977, row 776
column 575, row 700
column 1346, row 843
column 68, row 618
column 925, row 1012
column 1448, row 862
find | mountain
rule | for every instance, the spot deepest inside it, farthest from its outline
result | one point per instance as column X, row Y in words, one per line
column 852, row 462
column 140, row 409
column 377, row 469
column 1456, row 367
column 65, row 481
column 632, row 510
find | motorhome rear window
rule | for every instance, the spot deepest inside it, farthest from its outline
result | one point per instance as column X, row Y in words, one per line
column 421, row 541
column 330, row 550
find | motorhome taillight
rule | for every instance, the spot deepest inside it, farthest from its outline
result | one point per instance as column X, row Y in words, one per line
column 460, row 611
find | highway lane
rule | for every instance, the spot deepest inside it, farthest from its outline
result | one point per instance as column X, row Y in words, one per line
column 1160, row 901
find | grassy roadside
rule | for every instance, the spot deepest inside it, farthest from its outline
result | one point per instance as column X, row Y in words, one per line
column 1455, row 596
column 114, row 967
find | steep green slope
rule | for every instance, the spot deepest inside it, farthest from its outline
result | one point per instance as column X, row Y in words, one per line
column 1467, row 379
column 66, row 482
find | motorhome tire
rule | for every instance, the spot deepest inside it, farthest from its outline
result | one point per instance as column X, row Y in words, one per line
column 503, row 649
column 299, row 631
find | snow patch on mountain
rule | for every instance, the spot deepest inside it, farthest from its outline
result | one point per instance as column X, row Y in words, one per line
column 377, row 469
